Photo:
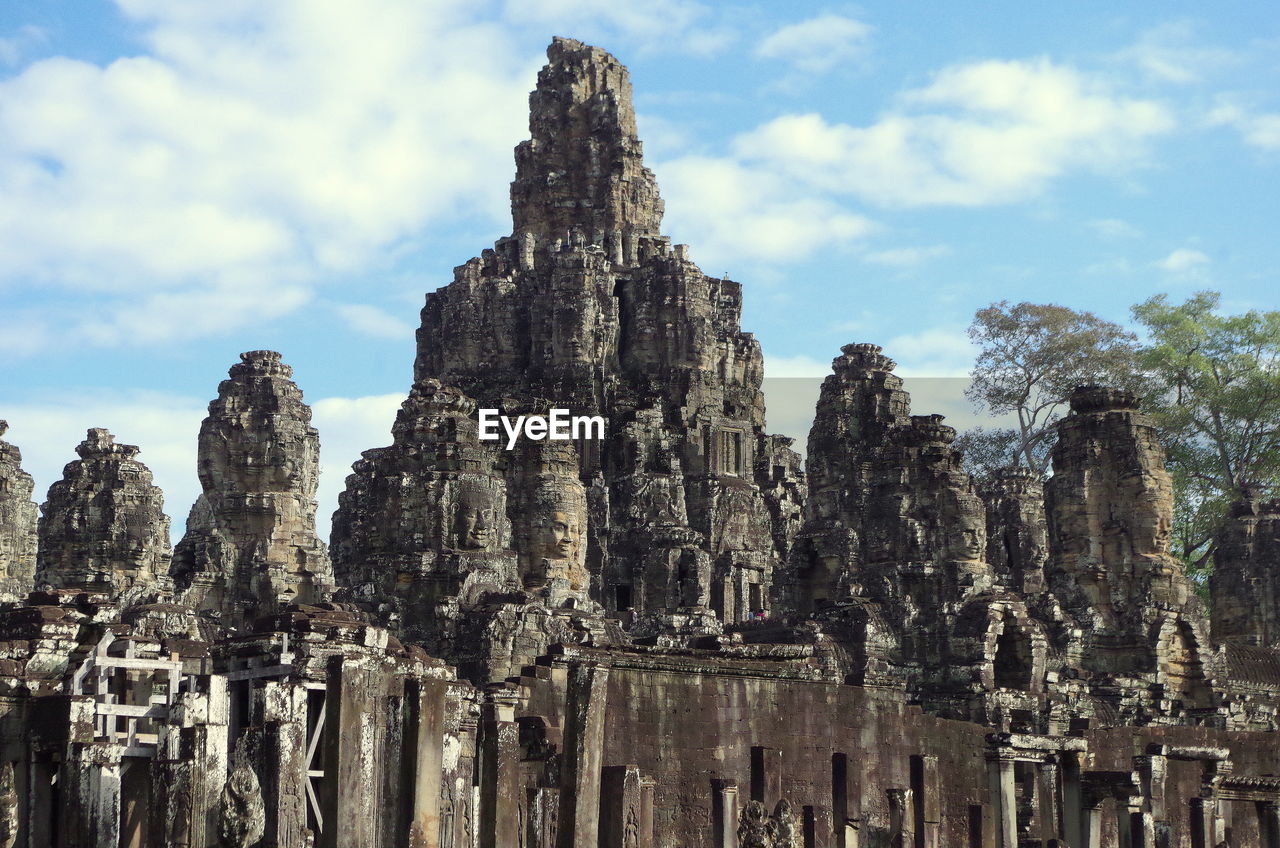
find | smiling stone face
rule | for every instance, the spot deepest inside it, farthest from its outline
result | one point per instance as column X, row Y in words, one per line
column 558, row 536
column 475, row 522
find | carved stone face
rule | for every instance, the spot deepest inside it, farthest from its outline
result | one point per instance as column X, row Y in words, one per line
column 558, row 536
column 964, row 542
column 475, row 523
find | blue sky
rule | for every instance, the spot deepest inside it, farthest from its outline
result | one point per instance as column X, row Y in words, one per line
column 181, row 181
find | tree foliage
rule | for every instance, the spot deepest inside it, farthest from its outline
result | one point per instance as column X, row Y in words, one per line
column 1213, row 385
column 1031, row 356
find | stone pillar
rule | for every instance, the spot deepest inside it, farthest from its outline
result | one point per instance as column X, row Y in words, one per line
column 1072, row 811
column 92, row 781
column 927, row 808
column 282, row 760
column 1093, row 825
column 1050, row 801
column 424, row 745
column 620, row 807
column 1269, row 823
column 724, row 812
column 346, row 799
column 1004, row 800
column 499, row 823
column 901, row 818
column 647, row 787
column 583, row 749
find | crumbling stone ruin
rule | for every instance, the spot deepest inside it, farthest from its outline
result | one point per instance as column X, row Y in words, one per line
column 251, row 546
column 670, row 633
column 17, row 522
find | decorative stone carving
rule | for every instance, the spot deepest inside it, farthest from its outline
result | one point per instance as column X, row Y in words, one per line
column 1017, row 533
column 18, row 519
column 9, row 819
column 103, row 527
column 241, row 816
column 251, row 547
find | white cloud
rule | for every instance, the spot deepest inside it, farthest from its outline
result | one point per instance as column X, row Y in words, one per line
column 980, row 134
column 939, row 352
column 730, row 212
column 256, row 149
column 163, row 426
column 1169, row 53
column 1113, row 228
column 790, row 367
column 166, row 427
column 818, row 44
column 348, row 427
column 1258, row 129
column 906, row 257
column 14, row 47
column 1183, row 260
column 655, row 26
column 372, row 321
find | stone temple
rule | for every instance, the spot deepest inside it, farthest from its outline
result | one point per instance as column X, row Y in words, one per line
column 677, row 635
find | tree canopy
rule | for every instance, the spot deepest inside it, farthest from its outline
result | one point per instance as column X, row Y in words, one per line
column 1031, row 356
column 1213, row 385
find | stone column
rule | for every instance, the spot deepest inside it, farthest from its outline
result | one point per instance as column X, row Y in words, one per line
column 928, row 805
column 92, row 781
column 901, row 818
column 583, row 750
column 1050, row 801
column 280, row 754
column 647, row 787
column 424, row 746
column 1072, row 811
column 725, row 812
column 347, row 798
column 1269, row 823
column 620, row 807
column 499, row 820
column 1004, row 800
column 1093, row 825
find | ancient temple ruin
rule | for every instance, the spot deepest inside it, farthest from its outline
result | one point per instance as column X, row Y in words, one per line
column 676, row 634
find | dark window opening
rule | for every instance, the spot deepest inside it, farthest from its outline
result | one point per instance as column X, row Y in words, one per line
column 622, row 598
column 1013, row 659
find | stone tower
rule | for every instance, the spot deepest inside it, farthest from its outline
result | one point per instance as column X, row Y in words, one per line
column 1245, row 584
column 1110, row 517
column 424, row 520
column 251, row 545
column 17, row 523
column 587, row 307
column 103, row 527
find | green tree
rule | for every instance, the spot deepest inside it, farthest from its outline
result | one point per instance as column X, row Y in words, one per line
column 1213, row 386
column 1031, row 356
